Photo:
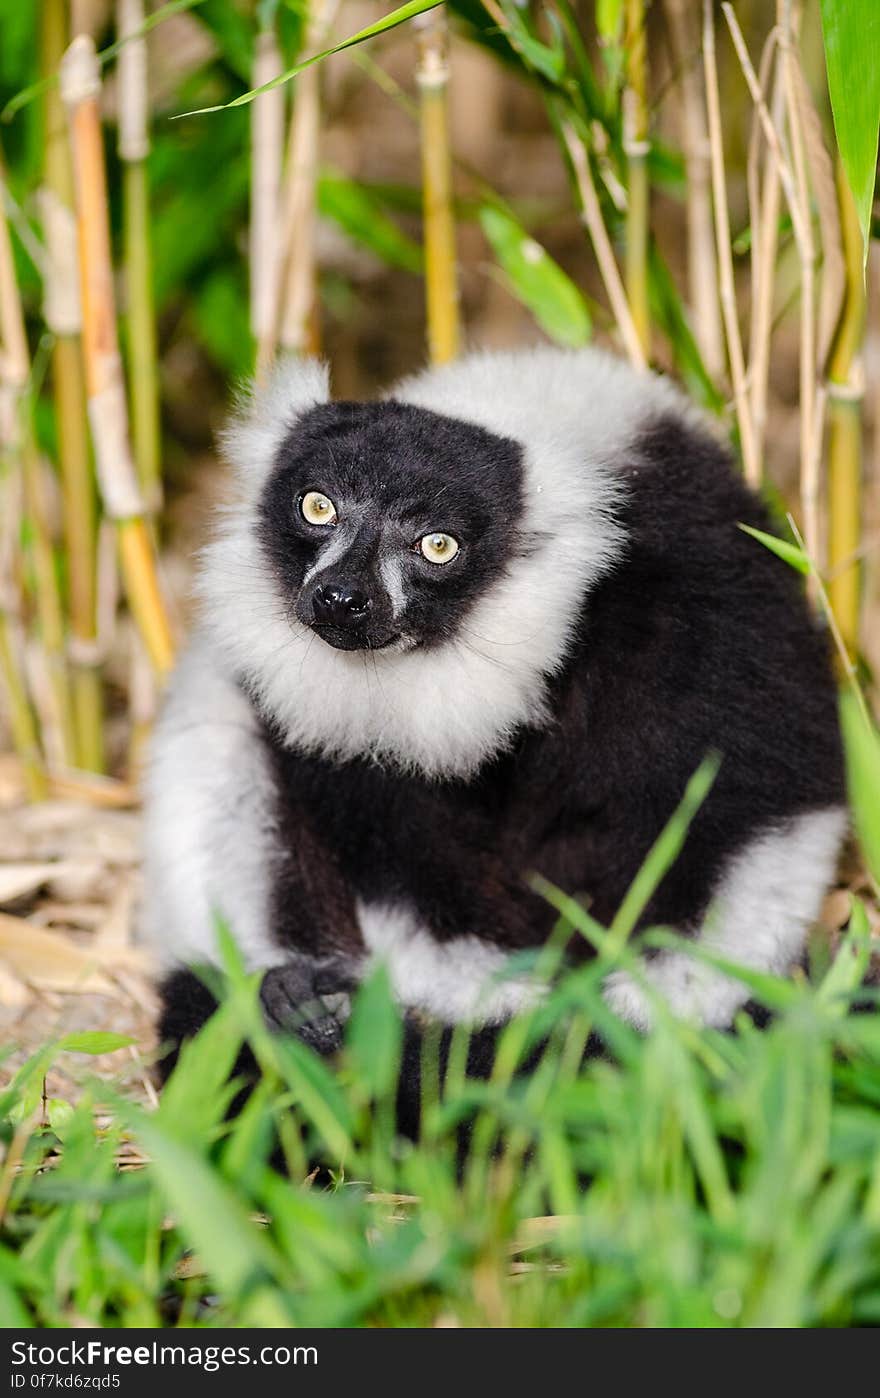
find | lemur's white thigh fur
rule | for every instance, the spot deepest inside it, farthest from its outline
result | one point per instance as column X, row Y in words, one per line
column 208, row 839
column 461, row 980
column 769, row 896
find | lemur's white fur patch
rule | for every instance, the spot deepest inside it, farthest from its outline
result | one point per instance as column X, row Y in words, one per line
column 446, row 710
column 208, row 838
column 462, row 980
column 769, row 895
column 391, row 574
column 264, row 416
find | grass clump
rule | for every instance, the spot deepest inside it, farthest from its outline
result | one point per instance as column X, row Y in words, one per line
column 693, row 1179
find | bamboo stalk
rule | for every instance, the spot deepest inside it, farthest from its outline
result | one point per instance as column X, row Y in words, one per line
column 142, row 707
column 702, row 278
column 117, row 477
column 636, row 146
column 845, row 395
column 267, row 140
column 143, row 353
column 62, row 312
column 23, row 729
column 134, row 147
column 765, row 210
column 751, row 458
column 591, row 213
column 58, row 708
column 47, row 594
column 795, row 183
column 290, row 298
column 441, row 269
column 771, row 133
column 298, row 332
column 810, row 436
column 21, row 720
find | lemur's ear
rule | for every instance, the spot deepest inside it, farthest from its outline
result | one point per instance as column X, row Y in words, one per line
column 264, row 415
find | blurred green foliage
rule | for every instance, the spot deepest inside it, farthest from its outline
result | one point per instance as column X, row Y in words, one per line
column 733, row 1179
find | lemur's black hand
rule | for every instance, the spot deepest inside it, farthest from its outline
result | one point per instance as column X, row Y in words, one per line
column 310, row 997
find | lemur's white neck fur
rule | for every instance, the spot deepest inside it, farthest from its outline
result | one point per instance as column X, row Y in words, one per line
column 447, row 709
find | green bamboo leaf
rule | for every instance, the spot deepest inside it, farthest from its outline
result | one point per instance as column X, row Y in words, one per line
column 862, row 745
column 389, row 21
column 851, row 29
column 790, row 553
column 359, row 213
column 536, row 280
column 545, row 59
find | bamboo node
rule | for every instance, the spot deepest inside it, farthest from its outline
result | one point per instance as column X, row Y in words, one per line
column 85, row 653
column 434, row 71
column 852, row 391
column 134, row 140
column 61, row 305
column 120, row 489
column 80, row 72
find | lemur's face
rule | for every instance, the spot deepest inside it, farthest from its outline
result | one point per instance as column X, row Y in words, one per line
column 384, row 523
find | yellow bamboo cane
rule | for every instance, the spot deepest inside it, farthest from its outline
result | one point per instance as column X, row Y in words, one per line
column 441, row 270
column 636, row 147
column 108, row 417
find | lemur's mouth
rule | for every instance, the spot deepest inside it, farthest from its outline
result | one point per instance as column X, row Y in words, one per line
column 346, row 638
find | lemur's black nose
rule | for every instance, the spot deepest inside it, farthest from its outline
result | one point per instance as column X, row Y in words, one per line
column 337, row 604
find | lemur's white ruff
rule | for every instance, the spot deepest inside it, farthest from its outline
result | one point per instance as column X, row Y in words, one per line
column 446, row 710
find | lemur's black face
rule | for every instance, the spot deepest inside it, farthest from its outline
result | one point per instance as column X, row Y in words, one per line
column 384, row 522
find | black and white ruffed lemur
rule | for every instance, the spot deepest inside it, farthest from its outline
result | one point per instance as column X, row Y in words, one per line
column 486, row 627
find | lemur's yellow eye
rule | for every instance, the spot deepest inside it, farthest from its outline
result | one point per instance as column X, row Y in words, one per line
column 438, row 548
column 317, row 508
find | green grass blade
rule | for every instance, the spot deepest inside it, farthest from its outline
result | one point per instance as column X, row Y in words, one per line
column 847, row 970
column 215, row 1220
column 664, row 851
column 862, row 745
